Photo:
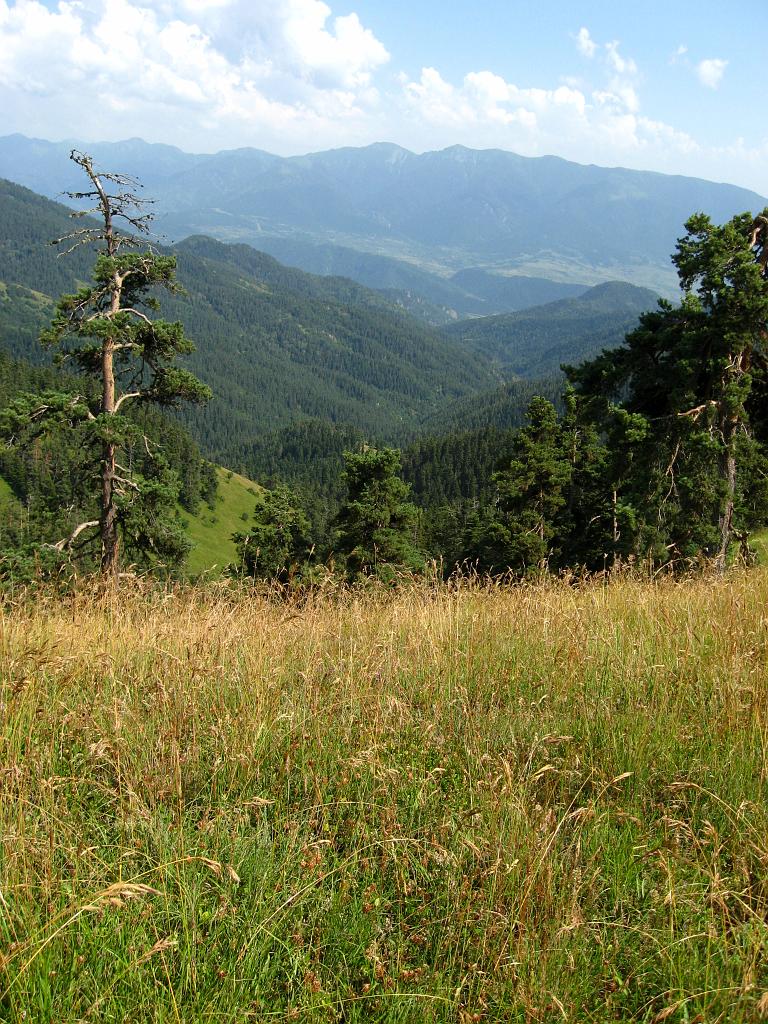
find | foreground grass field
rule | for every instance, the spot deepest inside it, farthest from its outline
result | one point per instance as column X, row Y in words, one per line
column 545, row 803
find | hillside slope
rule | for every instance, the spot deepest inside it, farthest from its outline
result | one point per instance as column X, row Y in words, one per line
column 276, row 345
column 533, row 343
column 210, row 529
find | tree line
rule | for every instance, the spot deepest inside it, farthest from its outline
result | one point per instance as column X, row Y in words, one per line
column 659, row 452
column 656, row 450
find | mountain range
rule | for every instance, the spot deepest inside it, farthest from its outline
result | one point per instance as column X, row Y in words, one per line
column 438, row 213
column 279, row 346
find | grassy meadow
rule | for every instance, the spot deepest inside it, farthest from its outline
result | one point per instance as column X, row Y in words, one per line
column 453, row 804
column 211, row 530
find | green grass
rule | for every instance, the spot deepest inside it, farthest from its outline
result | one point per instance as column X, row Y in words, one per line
column 5, row 490
column 759, row 543
column 210, row 530
column 443, row 804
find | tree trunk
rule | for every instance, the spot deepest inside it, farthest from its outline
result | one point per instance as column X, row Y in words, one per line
column 731, row 422
column 616, row 534
column 729, row 474
column 109, row 535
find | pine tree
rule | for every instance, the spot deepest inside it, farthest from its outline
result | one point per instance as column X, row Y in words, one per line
column 107, row 330
column 681, row 401
column 277, row 544
column 531, row 495
column 726, row 267
column 591, row 522
column 377, row 522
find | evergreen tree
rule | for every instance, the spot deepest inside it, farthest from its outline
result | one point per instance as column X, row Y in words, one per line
column 726, row 267
column 277, row 544
column 107, row 330
column 531, row 494
column 590, row 522
column 681, row 401
column 377, row 522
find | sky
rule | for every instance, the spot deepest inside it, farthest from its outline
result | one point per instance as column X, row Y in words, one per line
column 674, row 86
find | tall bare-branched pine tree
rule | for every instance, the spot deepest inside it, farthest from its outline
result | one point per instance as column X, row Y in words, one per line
column 109, row 331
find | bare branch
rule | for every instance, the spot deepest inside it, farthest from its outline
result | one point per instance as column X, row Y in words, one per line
column 147, row 443
column 86, row 238
column 670, row 472
column 137, row 313
column 68, row 541
column 126, row 483
column 125, row 397
column 698, row 409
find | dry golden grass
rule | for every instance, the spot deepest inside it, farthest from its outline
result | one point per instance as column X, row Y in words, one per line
column 545, row 802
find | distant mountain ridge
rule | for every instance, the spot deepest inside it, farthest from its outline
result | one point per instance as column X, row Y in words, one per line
column 444, row 211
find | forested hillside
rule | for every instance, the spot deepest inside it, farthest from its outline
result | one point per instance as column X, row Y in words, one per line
column 509, row 472
column 281, row 348
column 305, row 367
column 535, row 342
column 274, row 344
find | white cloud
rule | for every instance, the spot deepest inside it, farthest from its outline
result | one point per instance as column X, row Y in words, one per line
column 711, row 71
column 291, row 75
column 198, row 6
column 621, row 65
column 574, row 119
column 346, row 56
column 287, row 67
column 486, row 101
column 586, row 45
column 603, row 126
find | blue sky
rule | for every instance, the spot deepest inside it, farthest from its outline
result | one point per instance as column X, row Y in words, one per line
column 533, row 44
column 673, row 86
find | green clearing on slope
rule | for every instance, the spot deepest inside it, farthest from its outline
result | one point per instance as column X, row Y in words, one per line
column 758, row 542
column 210, row 530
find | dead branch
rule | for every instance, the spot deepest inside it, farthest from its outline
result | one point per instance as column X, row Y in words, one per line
column 137, row 313
column 68, row 541
column 125, row 397
column 126, row 483
column 698, row 409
